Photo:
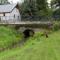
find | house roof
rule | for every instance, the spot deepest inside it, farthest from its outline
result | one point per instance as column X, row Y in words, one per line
column 7, row 8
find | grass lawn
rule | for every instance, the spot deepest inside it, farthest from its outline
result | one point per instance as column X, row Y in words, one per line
column 36, row 48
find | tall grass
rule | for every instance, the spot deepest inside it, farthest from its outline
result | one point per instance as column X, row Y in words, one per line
column 36, row 48
column 8, row 37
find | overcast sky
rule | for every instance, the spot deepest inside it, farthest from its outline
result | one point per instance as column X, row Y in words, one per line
column 49, row 1
column 15, row 1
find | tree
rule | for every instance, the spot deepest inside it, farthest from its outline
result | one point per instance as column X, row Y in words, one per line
column 41, row 4
column 37, row 9
column 28, row 7
column 55, row 5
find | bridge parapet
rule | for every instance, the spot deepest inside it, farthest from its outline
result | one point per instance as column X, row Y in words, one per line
column 25, row 22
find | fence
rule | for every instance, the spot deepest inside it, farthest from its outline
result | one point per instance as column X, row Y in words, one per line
column 35, row 18
column 9, row 19
column 12, row 19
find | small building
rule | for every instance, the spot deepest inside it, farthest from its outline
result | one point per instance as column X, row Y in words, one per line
column 10, row 13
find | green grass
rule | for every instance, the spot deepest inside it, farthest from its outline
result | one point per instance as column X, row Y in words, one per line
column 36, row 48
column 8, row 37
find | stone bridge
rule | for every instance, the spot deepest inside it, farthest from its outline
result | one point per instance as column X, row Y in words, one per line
column 22, row 25
column 28, row 27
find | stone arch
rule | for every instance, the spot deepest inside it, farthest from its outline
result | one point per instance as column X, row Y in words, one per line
column 28, row 32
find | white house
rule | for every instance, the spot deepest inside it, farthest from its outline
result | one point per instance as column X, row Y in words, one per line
column 9, row 12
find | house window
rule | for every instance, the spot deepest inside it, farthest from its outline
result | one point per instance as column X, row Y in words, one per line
column 4, row 14
column 18, row 17
column 14, row 15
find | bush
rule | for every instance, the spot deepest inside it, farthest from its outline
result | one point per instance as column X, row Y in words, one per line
column 8, row 37
column 56, row 26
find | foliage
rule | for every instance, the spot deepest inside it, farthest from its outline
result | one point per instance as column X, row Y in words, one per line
column 55, row 4
column 28, row 7
column 56, row 26
column 8, row 37
column 41, row 5
column 34, row 8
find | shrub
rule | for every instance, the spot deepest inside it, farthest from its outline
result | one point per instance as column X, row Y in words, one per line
column 8, row 37
column 56, row 26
